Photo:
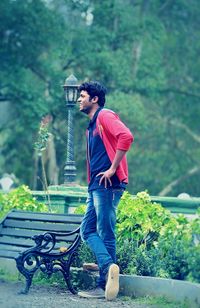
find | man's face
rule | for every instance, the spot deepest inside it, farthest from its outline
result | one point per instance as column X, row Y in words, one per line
column 85, row 104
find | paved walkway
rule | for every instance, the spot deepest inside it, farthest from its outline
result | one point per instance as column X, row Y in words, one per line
column 54, row 297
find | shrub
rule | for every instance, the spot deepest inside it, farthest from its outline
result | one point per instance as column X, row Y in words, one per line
column 80, row 209
column 139, row 219
column 153, row 242
column 20, row 198
column 173, row 249
column 126, row 256
column 194, row 252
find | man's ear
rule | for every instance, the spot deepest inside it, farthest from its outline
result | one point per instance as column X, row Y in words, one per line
column 95, row 99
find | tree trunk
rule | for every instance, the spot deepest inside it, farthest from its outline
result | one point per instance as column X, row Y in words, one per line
column 51, row 163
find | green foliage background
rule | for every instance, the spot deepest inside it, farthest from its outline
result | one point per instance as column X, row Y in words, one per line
column 145, row 52
column 153, row 242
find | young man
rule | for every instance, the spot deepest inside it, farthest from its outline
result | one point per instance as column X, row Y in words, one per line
column 108, row 140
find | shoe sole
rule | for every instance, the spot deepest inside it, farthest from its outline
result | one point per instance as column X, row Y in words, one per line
column 87, row 295
column 112, row 286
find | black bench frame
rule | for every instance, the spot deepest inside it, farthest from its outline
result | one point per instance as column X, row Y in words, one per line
column 44, row 252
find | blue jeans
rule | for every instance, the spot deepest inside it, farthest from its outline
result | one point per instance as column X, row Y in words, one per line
column 98, row 227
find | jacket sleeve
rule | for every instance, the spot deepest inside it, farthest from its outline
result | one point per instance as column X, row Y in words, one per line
column 116, row 128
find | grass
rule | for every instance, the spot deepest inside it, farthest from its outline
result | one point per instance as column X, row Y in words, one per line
column 156, row 302
column 7, row 276
column 39, row 278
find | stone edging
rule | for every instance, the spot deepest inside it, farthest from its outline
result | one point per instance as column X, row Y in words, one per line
column 177, row 290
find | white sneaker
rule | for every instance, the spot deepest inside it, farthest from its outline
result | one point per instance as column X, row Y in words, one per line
column 94, row 293
column 112, row 285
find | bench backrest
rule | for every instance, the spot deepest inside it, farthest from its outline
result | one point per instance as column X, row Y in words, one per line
column 18, row 227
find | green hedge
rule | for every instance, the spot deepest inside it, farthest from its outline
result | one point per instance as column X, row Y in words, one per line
column 153, row 242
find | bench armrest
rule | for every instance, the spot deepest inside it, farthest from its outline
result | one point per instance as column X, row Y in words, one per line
column 46, row 242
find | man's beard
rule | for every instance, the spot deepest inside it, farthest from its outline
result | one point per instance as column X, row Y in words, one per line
column 86, row 110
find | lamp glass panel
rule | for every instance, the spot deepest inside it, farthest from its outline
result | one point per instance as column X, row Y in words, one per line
column 70, row 94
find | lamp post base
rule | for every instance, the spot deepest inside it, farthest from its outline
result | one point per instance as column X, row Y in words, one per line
column 69, row 173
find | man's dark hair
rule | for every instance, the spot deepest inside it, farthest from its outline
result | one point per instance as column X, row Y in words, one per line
column 94, row 88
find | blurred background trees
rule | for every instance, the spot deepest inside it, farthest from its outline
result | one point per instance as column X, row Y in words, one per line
column 145, row 52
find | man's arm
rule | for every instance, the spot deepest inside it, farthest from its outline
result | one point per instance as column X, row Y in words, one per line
column 106, row 175
column 111, row 122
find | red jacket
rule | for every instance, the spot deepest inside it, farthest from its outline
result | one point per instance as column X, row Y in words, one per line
column 115, row 136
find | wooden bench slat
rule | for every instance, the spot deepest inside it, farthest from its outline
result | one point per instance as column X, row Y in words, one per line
column 8, row 254
column 13, row 251
column 35, row 216
column 43, row 226
column 14, row 233
column 19, row 233
column 13, row 248
column 29, row 242
column 16, row 241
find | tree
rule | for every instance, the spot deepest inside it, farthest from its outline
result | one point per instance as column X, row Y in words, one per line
column 145, row 52
column 27, row 76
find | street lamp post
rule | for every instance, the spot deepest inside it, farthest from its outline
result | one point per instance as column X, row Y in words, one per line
column 71, row 95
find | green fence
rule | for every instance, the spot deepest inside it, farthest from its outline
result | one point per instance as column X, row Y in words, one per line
column 66, row 199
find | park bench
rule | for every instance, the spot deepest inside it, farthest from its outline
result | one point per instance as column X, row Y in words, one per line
column 44, row 241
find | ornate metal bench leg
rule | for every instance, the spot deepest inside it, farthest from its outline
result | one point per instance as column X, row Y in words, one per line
column 69, row 284
column 27, row 273
column 28, row 284
column 70, row 276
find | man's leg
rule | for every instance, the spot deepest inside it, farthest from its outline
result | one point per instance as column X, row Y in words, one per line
column 98, row 230
column 105, row 202
column 90, row 235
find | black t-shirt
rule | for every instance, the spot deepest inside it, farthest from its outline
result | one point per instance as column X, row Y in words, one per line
column 98, row 158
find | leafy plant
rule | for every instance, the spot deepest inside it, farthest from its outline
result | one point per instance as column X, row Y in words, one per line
column 20, row 198
column 80, row 209
column 194, row 251
column 153, row 242
column 139, row 219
